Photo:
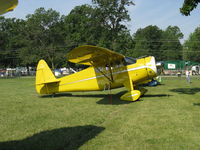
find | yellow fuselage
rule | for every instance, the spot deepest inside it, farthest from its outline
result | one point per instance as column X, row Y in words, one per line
column 92, row 79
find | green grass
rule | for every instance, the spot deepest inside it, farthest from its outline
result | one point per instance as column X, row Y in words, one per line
column 167, row 117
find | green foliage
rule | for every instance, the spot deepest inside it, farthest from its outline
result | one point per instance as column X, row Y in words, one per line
column 112, row 15
column 148, row 41
column 188, row 6
column 164, row 45
column 100, row 24
column 81, row 27
column 192, row 46
column 44, row 34
column 10, row 41
column 47, row 35
column 171, row 47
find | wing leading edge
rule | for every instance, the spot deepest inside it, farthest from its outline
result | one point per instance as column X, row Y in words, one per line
column 93, row 55
column 7, row 5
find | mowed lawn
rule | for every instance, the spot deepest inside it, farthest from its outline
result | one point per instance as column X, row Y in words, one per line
column 167, row 117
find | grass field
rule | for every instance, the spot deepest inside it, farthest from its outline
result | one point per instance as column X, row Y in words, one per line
column 167, row 117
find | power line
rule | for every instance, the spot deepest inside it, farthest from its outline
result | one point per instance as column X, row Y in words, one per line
column 146, row 50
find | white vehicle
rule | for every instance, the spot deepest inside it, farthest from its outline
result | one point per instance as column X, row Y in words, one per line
column 195, row 70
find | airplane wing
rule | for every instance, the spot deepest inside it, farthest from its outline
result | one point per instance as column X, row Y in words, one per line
column 7, row 5
column 93, row 55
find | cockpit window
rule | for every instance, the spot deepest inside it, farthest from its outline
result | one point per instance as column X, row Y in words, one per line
column 130, row 60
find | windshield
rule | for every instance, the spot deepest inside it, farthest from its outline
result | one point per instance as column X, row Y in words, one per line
column 130, row 60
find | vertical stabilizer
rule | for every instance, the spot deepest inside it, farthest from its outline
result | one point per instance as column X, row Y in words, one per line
column 44, row 77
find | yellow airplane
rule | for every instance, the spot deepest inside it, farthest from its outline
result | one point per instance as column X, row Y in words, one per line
column 107, row 70
column 7, row 5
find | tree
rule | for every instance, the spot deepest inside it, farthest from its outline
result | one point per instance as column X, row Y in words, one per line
column 192, row 47
column 171, row 48
column 112, row 15
column 10, row 41
column 188, row 6
column 43, row 37
column 81, row 27
column 148, row 42
column 124, row 43
column 87, row 25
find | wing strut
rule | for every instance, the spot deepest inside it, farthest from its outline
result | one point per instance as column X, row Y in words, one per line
column 110, row 79
column 111, row 75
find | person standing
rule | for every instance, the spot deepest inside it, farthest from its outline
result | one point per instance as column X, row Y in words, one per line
column 187, row 73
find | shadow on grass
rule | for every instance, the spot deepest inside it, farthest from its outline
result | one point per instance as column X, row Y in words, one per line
column 186, row 90
column 107, row 99
column 72, row 95
column 196, row 104
column 146, row 85
column 56, row 95
column 113, row 99
column 157, row 95
column 58, row 139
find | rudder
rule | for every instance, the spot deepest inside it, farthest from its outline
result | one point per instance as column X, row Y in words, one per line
column 44, row 78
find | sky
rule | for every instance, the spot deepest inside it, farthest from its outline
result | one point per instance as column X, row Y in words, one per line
column 161, row 13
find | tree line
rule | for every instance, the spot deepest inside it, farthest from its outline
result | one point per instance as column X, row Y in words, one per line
column 46, row 34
